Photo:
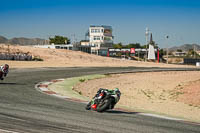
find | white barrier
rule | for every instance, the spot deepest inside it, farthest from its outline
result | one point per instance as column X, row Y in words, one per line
column 197, row 64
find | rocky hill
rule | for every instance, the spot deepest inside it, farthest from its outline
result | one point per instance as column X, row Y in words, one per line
column 3, row 39
column 23, row 41
column 186, row 47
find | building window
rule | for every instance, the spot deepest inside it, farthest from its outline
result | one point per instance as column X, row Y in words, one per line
column 108, row 31
column 97, row 38
column 107, row 38
column 95, row 30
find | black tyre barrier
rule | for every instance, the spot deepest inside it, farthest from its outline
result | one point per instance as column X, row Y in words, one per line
column 20, row 57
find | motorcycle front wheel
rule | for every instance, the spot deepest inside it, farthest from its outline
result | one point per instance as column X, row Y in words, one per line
column 88, row 106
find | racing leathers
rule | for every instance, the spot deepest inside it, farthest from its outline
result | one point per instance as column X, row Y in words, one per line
column 3, row 71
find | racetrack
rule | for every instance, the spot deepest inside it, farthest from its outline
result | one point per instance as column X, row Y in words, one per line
column 24, row 109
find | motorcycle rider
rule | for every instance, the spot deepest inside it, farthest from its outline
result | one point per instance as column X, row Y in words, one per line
column 4, row 69
column 115, row 92
column 112, row 92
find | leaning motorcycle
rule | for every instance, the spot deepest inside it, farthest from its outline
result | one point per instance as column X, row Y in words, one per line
column 104, row 100
column 2, row 75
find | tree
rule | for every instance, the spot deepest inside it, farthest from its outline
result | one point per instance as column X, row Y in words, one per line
column 59, row 40
column 118, row 45
column 179, row 50
column 193, row 53
column 133, row 45
column 145, row 46
column 161, row 53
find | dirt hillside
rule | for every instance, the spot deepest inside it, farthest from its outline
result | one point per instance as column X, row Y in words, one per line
column 170, row 93
column 68, row 58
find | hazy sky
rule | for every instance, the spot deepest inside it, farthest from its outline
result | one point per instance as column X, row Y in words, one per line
column 180, row 19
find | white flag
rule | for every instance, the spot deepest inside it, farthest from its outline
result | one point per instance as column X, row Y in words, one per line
column 151, row 54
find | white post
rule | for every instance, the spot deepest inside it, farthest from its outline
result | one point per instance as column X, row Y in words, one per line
column 147, row 37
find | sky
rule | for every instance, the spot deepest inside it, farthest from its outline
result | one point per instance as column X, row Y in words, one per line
column 179, row 19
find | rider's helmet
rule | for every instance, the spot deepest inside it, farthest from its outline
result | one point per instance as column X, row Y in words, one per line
column 117, row 92
column 5, row 68
column 116, row 89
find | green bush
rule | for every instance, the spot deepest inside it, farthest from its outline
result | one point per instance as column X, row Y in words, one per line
column 82, row 80
column 37, row 59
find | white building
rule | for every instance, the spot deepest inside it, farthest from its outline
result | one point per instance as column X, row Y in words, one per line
column 100, row 38
column 56, row 46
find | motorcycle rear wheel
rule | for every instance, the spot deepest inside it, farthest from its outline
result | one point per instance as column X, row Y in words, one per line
column 103, row 105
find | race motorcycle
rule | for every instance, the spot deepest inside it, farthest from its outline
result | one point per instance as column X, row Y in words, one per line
column 3, row 71
column 2, row 75
column 104, row 99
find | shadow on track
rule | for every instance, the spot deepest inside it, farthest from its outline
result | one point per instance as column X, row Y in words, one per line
column 120, row 112
column 11, row 84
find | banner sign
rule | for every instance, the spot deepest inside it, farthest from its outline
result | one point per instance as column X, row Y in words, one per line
column 119, row 50
column 132, row 50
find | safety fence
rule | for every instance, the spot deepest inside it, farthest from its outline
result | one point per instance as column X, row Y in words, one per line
column 191, row 61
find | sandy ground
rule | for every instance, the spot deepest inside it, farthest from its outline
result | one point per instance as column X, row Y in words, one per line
column 172, row 93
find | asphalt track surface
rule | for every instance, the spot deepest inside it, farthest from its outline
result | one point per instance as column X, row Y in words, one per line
column 24, row 109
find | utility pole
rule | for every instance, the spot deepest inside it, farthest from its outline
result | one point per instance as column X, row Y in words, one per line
column 138, row 55
column 74, row 38
column 147, row 37
column 194, row 49
column 8, row 48
column 167, row 47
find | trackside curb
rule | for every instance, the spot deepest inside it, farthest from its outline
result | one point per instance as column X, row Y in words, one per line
column 43, row 87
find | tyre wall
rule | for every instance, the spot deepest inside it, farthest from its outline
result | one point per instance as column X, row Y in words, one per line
column 20, row 57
